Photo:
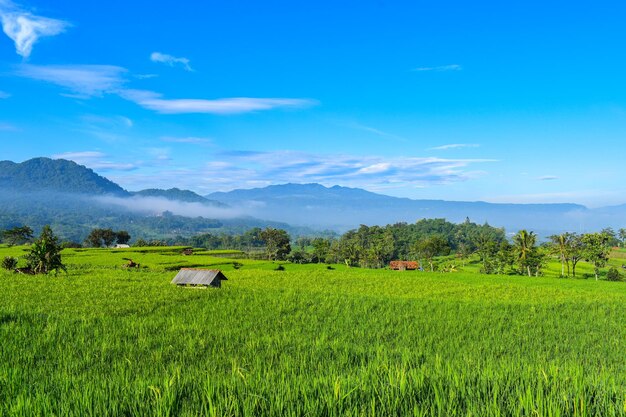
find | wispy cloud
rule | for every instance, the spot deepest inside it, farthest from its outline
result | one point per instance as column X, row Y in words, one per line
column 8, row 127
column 245, row 168
column 82, row 80
column 375, row 131
column 154, row 101
column 85, row 81
column 440, row 68
column 157, row 205
column 548, row 178
column 145, row 76
column 189, row 139
column 4, row 94
column 25, row 28
column 170, row 60
column 455, row 146
column 95, row 160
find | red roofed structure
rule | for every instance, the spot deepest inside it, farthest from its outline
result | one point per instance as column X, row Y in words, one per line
column 403, row 265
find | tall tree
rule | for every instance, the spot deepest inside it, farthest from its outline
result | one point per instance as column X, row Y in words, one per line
column 622, row 237
column 524, row 246
column 596, row 250
column 277, row 245
column 559, row 246
column 122, row 237
column 17, row 235
column 428, row 248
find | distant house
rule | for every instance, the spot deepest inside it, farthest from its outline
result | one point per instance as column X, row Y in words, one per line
column 403, row 265
column 121, row 246
column 187, row 251
column 199, row 277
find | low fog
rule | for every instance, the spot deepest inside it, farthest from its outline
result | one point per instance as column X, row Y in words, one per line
column 154, row 206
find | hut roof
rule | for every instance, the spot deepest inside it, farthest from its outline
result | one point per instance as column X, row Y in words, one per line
column 190, row 276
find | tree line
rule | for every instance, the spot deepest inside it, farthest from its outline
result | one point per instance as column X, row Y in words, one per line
column 376, row 246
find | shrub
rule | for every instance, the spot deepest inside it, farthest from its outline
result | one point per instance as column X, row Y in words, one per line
column 279, row 268
column 9, row 263
column 45, row 253
column 613, row 275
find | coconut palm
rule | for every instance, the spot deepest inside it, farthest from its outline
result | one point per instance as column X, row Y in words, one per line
column 524, row 244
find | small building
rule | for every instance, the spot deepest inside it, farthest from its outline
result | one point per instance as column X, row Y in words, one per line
column 121, row 246
column 403, row 265
column 187, row 251
column 199, row 277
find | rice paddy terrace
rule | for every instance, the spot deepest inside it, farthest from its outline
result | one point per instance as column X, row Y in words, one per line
column 104, row 340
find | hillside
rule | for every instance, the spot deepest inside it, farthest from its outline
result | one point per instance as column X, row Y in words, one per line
column 176, row 194
column 45, row 174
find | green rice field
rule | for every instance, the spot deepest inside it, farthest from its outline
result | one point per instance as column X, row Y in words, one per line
column 103, row 340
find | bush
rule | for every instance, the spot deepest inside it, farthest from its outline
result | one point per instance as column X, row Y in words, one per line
column 72, row 245
column 613, row 275
column 279, row 268
column 9, row 263
column 45, row 253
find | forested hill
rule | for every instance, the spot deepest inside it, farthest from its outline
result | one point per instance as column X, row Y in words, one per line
column 58, row 175
column 176, row 194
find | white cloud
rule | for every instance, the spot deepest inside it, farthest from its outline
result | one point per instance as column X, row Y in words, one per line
column 4, row 94
column 440, row 68
column 170, row 60
column 95, row 160
column 455, row 146
column 82, row 80
column 85, row 81
column 25, row 28
column 153, row 101
column 189, row 139
column 245, row 169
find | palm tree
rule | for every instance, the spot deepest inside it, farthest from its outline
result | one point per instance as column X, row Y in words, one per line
column 524, row 243
column 560, row 246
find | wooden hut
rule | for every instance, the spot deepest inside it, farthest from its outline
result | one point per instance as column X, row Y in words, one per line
column 199, row 277
column 403, row 265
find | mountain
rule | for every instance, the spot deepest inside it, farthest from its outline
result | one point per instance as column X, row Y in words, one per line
column 176, row 194
column 342, row 208
column 73, row 200
column 45, row 174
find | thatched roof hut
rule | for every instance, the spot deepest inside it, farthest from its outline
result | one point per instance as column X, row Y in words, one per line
column 199, row 277
column 403, row 265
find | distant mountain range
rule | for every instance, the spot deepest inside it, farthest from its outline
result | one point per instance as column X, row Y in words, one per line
column 340, row 208
column 25, row 190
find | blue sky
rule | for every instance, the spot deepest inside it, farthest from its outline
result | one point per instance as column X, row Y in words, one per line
column 448, row 100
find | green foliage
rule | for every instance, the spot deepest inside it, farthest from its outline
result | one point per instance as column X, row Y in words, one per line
column 429, row 247
column 44, row 255
column 9, row 263
column 122, row 237
column 613, row 275
column 17, row 235
column 596, row 250
column 277, row 245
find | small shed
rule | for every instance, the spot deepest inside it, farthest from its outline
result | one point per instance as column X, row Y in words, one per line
column 199, row 277
column 403, row 265
column 121, row 246
column 187, row 251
